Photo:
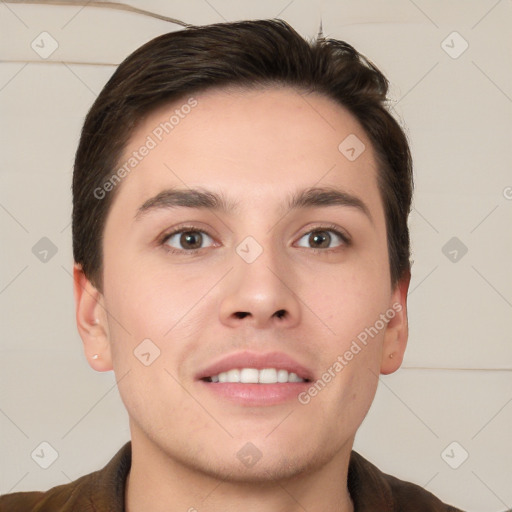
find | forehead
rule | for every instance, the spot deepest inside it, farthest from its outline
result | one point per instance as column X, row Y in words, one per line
column 248, row 145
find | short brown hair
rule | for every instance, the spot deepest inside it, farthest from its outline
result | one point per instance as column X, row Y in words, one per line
column 246, row 54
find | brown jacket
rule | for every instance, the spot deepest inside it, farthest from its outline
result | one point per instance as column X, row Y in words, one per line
column 103, row 491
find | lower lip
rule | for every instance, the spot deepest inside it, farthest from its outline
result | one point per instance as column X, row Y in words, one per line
column 257, row 394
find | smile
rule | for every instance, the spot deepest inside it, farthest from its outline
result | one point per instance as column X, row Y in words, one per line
column 255, row 376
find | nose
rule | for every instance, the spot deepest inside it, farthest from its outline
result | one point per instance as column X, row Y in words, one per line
column 260, row 293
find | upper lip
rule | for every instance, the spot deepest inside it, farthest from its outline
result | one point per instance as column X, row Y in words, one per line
column 278, row 360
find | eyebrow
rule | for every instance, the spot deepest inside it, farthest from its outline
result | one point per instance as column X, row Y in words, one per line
column 313, row 197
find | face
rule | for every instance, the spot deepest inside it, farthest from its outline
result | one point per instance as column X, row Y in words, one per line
column 246, row 240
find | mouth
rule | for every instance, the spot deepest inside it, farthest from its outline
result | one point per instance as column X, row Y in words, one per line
column 256, row 379
column 255, row 376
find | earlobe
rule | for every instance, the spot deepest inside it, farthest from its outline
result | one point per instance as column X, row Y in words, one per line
column 91, row 321
column 397, row 330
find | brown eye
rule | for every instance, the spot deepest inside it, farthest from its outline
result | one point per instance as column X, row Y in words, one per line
column 187, row 240
column 322, row 239
column 319, row 239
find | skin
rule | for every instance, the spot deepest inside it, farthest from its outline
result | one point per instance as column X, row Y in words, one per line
column 255, row 147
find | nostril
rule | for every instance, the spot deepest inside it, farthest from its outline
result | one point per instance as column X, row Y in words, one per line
column 241, row 314
column 280, row 313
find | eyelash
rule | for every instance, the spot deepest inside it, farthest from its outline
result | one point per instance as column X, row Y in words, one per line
column 330, row 228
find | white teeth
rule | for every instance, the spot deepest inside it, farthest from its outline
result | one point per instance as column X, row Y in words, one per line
column 255, row 376
column 282, row 376
column 293, row 377
column 233, row 376
column 268, row 376
column 249, row 375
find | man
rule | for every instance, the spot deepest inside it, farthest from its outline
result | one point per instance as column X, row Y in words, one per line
column 242, row 265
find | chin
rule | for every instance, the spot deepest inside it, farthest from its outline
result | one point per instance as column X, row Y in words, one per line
column 278, row 467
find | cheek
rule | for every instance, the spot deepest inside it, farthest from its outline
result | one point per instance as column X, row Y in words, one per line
column 348, row 301
column 159, row 311
column 149, row 299
column 153, row 396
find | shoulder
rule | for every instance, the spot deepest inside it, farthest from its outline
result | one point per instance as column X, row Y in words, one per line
column 58, row 499
column 387, row 492
column 101, row 490
column 406, row 493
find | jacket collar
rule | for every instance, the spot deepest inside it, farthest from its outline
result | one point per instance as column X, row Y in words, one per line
column 108, row 485
column 367, row 486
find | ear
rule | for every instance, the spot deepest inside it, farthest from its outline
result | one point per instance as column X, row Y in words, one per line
column 397, row 330
column 91, row 320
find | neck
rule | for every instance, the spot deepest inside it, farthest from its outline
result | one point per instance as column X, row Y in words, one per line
column 159, row 483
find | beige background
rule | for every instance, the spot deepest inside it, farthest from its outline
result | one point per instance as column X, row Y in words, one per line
column 455, row 385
